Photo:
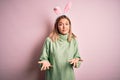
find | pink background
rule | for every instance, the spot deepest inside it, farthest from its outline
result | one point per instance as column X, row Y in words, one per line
column 24, row 25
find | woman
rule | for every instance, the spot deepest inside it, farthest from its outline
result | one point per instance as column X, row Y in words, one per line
column 60, row 52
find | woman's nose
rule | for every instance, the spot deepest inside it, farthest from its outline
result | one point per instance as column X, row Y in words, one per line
column 63, row 26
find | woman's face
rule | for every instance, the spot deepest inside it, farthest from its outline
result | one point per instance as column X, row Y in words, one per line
column 63, row 26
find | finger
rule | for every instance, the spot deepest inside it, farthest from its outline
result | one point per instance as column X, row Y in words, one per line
column 40, row 62
column 42, row 68
column 81, row 60
column 69, row 60
column 51, row 66
column 76, row 65
column 47, row 67
column 73, row 64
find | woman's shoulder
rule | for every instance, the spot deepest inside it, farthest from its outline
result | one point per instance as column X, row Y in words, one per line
column 74, row 39
column 48, row 39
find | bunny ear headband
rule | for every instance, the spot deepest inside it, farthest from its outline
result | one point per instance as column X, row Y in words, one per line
column 58, row 10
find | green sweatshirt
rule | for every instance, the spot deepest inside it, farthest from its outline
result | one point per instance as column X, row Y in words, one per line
column 58, row 53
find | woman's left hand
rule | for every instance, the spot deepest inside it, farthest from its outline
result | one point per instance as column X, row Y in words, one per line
column 74, row 61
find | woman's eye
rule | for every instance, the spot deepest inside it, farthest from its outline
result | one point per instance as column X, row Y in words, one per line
column 67, row 24
column 59, row 24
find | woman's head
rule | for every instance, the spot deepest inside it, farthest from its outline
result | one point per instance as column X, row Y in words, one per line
column 62, row 26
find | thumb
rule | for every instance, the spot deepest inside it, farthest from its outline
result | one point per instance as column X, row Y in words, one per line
column 40, row 62
column 81, row 60
column 69, row 60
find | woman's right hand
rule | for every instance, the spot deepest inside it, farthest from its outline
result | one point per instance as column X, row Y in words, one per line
column 45, row 64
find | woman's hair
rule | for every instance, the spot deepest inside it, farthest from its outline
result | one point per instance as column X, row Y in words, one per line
column 54, row 35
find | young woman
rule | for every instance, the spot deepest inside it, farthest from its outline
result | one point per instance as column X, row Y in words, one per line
column 60, row 52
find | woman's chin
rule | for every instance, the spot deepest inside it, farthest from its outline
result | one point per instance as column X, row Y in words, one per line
column 64, row 33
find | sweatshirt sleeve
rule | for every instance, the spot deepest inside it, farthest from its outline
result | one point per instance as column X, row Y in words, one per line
column 45, row 50
column 76, row 54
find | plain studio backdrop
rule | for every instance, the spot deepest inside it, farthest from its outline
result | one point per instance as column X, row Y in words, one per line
column 24, row 25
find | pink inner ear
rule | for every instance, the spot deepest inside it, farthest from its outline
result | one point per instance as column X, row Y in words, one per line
column 67, row 7
column 57, row 10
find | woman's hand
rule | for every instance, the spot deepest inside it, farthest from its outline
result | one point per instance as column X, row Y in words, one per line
column 45, row 64
column 75, row 61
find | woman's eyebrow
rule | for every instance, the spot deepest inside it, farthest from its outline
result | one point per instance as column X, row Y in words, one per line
column 60, row 22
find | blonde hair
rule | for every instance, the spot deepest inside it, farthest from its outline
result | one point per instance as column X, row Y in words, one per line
column 54, row 35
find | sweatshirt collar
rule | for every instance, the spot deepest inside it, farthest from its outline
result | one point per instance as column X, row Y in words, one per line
column 64, row 37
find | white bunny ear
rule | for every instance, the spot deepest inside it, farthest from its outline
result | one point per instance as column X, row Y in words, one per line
column 57, row 10
column 67, row 7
